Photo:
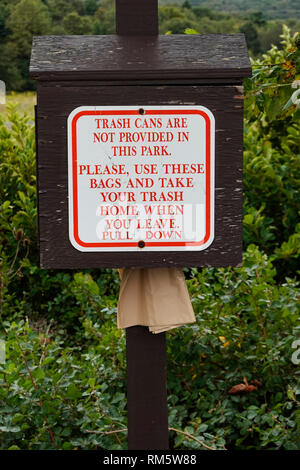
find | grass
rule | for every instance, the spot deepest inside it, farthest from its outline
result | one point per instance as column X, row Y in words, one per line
column 25, row 101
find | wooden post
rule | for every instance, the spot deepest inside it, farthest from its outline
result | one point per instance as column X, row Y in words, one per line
column 146, row 389
column 137, row 17
column 146, row 352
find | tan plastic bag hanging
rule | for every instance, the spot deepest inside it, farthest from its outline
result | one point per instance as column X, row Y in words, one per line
column 154, row 297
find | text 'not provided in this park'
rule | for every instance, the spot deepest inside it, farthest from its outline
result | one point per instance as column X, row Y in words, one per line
column 141, row 178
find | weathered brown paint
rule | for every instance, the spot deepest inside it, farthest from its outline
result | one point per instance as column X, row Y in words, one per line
column 138, row 58
column 54, row 105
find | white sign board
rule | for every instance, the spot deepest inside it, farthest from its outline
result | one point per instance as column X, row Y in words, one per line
column 141, row 178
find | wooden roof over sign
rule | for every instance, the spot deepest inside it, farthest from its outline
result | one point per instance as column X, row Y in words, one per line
column 165, row 57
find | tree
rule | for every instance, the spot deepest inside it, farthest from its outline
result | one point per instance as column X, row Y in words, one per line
column 59, row 9
column 257, row 18
column 91, row 6
column 28, row 18
column 104, row 18
column 9, row 68
column 4, row 13
column 75, row 24
column 169, row 12
column 201, row 12
column 251, row 37
column 270, row 34
column 186, row 4
column 178, row 25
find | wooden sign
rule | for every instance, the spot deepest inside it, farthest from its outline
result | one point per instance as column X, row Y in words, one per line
column 139, row 143
column 141, row 178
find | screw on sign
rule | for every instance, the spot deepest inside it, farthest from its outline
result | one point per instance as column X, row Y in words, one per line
column 139, row 161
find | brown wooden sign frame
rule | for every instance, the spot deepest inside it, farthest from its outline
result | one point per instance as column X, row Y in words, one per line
column 60, row 91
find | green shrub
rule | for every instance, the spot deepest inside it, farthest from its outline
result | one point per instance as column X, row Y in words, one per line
column 271, row 155
column 246, row 324
column 56, row 395
column 51, row 393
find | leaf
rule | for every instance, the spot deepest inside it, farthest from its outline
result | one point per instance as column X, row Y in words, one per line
column 38, row 374
column 288, row 104
column 291, row 394
column 190, row 31
column 5, row 205
column 73, row 392
column 242, row 388
column 10, row 428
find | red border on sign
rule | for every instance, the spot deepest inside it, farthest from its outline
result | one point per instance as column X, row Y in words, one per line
column 136, row 112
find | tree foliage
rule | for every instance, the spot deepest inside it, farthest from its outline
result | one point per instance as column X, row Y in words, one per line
column 271, row 8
